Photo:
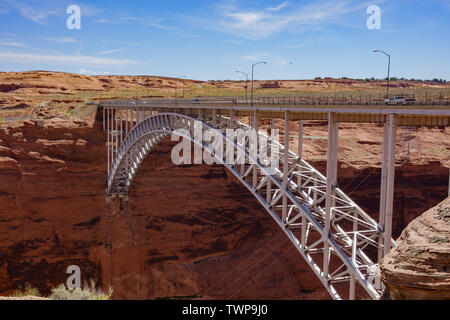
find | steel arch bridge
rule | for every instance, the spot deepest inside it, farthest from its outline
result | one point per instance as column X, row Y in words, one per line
column 341, row 243
column 298, row 207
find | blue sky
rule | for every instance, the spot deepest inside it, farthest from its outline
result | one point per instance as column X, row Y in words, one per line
column 206, row 40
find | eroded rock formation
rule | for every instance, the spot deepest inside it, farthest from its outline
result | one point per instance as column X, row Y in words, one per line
column 419, row 267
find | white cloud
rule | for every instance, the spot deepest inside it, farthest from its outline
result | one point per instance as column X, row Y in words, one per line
column 13, row 44
column 31, row 10
column 243, row 19
column 254, row 57
column 62, row 40
column 103, row 21
column 41, row 11
column 151, row 22
column 111, row 51
column 279, row 7
column 87, row 72
column 234, row 41
column 262, row 23
column 26, row 58
column 160, row 26
column 250, row 58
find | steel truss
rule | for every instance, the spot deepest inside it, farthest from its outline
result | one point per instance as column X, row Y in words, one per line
column 338, row 240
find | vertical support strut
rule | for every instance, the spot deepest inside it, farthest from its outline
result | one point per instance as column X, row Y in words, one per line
column 121, row 125
column 300, row 153
column 269, row 182
column 255, row 167
column 116, row 134
column 382, row 215
column 390, row 184
column 112, row 135
column 299, row 181
column 108, row 142
column 104, row 125
column 137, row 115
column 126, row 121
column 300, row 139
column 285, row 164
column 333, row 132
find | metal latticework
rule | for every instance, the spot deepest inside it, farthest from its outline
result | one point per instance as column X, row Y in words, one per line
column 341, row 243
column 335, row 237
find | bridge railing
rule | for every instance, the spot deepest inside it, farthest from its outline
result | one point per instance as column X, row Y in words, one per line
column 282, row 100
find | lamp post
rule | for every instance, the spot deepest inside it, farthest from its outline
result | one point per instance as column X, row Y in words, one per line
column 246, row 85
column 253, row 67
column 389, row 69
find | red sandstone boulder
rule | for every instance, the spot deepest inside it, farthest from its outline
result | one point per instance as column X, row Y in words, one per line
column 419, row 268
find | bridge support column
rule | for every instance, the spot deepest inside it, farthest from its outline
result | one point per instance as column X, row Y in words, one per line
column 390, row 184
column 107, row 134
column 300, row 139
column 121, row 125
column 126, row 121
column 285, row 164
column 269, row 182
column 382, row 217
column 255, row 167
column 333, row 134
column 300, row 152
column 116, row 133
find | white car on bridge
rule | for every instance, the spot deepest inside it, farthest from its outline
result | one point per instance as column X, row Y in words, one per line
column 399, row 100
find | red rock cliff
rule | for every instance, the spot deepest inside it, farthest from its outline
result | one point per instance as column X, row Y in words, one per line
column 190, row 231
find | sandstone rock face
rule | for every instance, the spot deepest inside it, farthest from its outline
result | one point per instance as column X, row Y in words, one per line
column 419, row 268
column 188, row 231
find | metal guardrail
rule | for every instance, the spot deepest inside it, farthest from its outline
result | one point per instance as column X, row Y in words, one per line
column 281, row 100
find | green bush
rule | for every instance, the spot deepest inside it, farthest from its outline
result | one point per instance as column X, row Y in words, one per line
column 26, row 292
column 86, row 293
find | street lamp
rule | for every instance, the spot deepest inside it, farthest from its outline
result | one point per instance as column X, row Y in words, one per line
column 246, row 85
column 389, row 69
column 253, row 67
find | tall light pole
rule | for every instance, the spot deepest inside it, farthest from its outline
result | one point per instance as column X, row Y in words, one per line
column 246, row 85
column 253, row 67
column 389, row 69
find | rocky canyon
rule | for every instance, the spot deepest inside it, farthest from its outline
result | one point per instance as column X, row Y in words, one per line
column 187, row 231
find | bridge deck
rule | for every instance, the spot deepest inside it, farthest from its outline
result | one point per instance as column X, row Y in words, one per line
column 407, row 115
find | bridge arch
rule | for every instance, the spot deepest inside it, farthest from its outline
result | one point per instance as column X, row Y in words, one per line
column 297, row 207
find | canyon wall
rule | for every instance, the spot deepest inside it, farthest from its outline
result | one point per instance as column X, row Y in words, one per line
column 187, row 231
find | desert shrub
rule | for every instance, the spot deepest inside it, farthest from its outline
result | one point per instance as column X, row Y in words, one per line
column 87, row 292
column 26, row 291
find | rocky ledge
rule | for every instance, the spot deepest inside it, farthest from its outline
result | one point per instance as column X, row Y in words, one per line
column 419, row 268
